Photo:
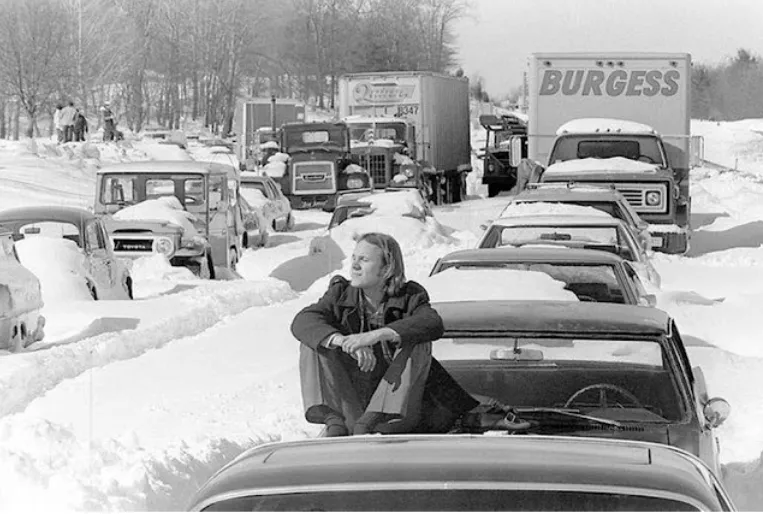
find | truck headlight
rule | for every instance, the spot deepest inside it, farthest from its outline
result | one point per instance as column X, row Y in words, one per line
column 653, row 198
column 354, row 183
column 194, row 243
column 164, row 245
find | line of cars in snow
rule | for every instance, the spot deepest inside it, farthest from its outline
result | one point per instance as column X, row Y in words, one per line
column 196, row 214
column 552, row 323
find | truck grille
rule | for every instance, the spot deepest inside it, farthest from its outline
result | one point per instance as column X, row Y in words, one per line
column 376, row 165
column 133, row 245
column 314, row 177
column 636, row 196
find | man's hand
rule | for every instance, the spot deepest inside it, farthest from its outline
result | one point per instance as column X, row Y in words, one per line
column 366, row 359
column 354, row 342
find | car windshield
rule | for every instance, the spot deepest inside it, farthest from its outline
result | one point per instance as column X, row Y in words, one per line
column 324, row 137
column 589, row 282
column 23, row 229
column 614, row 378
column 254, row 185
column 453, row 499
column 126, row 189
column 345, row 212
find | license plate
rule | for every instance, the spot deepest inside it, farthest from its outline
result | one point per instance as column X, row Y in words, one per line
column 656, row 241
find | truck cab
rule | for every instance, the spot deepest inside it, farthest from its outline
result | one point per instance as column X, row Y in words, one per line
column 204, row 194
column 320, row 163
column 633, row 158
column 498, row 173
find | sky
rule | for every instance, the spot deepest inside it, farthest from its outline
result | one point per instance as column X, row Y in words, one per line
column 498, row 37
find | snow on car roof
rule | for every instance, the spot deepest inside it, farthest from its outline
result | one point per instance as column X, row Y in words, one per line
column 604, row 125
column 487, row 284
column 595, row 165
column 396, row 203
column 560, row 210
column 552, row 220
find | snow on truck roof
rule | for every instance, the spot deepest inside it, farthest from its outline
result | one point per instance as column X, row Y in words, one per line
column 604, row 126
column 595, row 165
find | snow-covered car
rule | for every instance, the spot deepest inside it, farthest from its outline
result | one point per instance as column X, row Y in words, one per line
column 440, row 473
column 255, row 226
column 590, row 275
column 262, row 193
column 602, row 197
column 21, row 323
column 595, row 232
column 408, row 203
column 62, row 244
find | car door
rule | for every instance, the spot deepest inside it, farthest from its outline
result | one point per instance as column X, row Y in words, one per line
column 99, row 266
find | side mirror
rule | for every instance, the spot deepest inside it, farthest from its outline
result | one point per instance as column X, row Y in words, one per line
column 515, row 154
column 716, row 411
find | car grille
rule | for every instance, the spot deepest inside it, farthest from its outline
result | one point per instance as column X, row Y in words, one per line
column 635, row 193
column 133, row 245
column 314, row 177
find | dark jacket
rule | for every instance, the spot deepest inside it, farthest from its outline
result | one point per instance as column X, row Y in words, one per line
column 411, row 316
column 80, row 123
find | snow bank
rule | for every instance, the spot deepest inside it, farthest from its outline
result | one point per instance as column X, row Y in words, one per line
column 59, row 265
column 166, row 208
column 396, row 203
column 194, row 311
column 592, row 125
column 472, row 285
column 411, row 233
column 550, row 209
column 592, row 165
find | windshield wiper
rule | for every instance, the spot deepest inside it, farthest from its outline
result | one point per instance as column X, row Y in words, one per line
column 569, row 413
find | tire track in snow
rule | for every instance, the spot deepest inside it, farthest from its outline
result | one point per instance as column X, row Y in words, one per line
column 26, row 376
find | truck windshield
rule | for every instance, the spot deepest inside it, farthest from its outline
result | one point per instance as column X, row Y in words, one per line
column 637, row 148
column 314, row 138
column 362, row 132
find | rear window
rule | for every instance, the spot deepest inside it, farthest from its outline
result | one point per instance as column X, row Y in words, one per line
column 450, row 500
column 517, row 236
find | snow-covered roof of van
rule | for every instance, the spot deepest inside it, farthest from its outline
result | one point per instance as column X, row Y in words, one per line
column 149, row 167
column 594, row 165
column 605, row 126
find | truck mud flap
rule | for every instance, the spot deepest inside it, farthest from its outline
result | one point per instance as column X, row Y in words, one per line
column 670, row 242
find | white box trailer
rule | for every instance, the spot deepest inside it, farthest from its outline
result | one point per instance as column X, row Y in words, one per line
column 436, row 105
column 649, row 88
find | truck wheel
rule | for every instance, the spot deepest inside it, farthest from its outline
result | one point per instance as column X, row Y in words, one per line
column 493, row 190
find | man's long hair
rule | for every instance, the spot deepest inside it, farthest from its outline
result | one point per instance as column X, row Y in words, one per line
column 392, row 259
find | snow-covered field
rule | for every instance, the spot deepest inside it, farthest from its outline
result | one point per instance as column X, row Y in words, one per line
column 132, row 405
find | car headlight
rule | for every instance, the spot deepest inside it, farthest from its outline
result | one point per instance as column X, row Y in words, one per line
column 491, row 167
column 354, row 183
column 194, row 243
column 653, row 198
column 164, row 245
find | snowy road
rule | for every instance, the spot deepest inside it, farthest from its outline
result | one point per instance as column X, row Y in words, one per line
column 131, row 405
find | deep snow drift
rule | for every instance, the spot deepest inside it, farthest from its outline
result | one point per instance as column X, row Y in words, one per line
column 131, row 405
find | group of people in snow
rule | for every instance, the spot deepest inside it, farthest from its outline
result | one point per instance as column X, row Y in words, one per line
column 71, row 124
column 366, row 362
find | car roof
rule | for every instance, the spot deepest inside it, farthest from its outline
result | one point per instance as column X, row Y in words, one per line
column 556, row 220
column 581, row 319
column 47, row 213
column 528, row 254
column 563, row 192
column 149, row 167
column 536, row 461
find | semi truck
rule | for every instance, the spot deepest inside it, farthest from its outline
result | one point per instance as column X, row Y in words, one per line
column 423, row 119
column 617, row 119
column 256, row 123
